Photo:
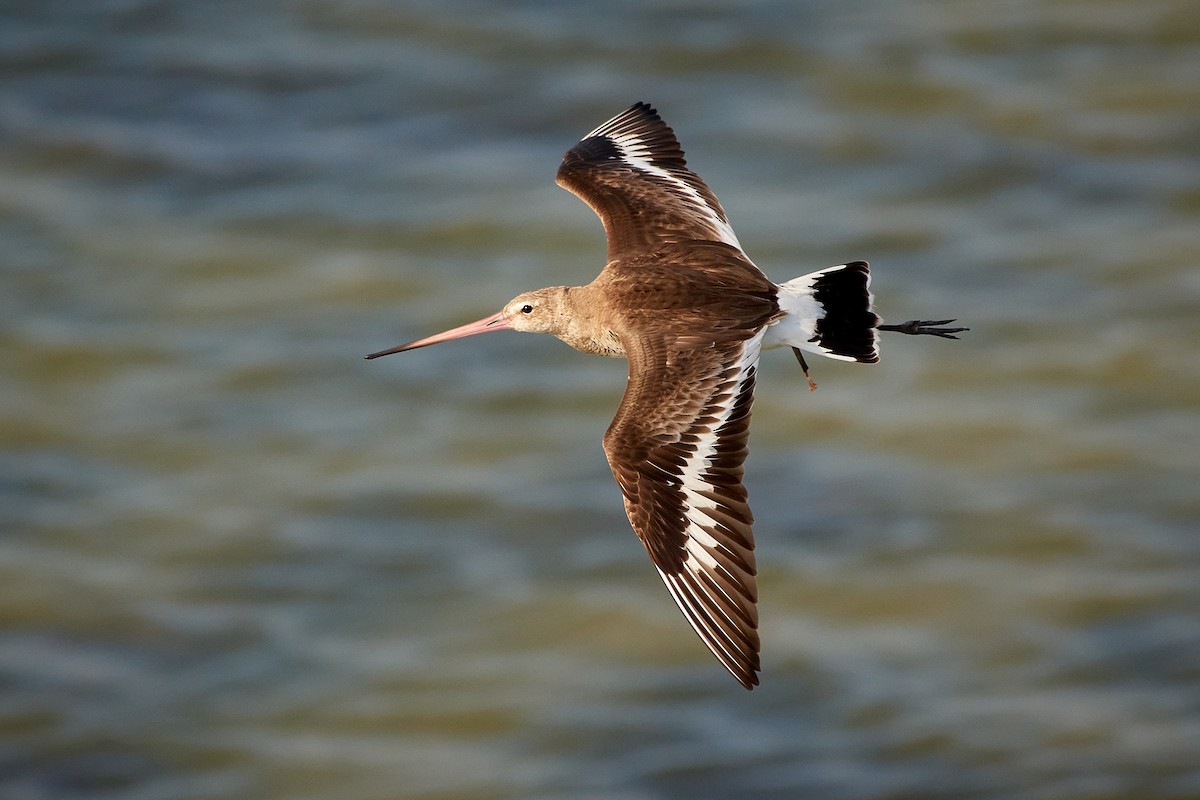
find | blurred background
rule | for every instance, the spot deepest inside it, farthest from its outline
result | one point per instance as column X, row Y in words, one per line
column 238, row 561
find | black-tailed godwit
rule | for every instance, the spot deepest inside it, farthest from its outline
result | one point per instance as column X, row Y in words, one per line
column 680, row 300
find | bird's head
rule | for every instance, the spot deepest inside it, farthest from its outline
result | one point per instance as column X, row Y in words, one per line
column 539, row 311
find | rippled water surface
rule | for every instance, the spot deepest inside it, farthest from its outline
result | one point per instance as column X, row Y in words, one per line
column 238, row 561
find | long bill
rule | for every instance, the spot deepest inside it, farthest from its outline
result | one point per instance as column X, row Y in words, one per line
column 496, row 322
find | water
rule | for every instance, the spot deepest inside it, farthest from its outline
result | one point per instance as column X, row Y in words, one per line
column 239, row 561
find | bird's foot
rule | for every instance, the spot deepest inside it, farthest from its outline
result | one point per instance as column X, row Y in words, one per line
column 812, row 385
column 925, row 327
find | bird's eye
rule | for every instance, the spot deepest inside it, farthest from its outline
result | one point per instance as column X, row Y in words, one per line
column 527, row 309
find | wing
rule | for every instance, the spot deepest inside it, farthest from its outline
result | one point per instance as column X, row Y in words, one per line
column 676, row 448
column 631, row 171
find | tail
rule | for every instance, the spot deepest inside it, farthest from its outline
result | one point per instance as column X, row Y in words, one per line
column 830, row 312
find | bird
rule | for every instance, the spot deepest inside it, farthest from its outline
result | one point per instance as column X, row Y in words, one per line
column 679, row 299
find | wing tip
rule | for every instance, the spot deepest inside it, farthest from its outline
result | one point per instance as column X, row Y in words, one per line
column 641, row 111
column 735, row 644
column 641, row 121
column 746, row 675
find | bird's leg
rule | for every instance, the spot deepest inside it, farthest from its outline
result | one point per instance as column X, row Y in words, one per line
column 925, row 327
column 812, row 387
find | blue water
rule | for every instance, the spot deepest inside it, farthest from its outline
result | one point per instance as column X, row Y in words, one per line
column 236, row 560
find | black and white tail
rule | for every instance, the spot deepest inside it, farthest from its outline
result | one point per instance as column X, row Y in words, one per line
column 829, row 312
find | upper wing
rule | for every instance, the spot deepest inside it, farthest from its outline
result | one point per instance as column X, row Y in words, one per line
column 631, row 171
column 676, row 448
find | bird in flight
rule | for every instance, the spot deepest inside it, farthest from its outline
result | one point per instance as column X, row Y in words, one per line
column 681, row 301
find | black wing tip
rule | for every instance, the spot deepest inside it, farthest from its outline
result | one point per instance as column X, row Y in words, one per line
column 639, row 109
column 646, row 110
column 642, row 121
column 648, row 115
column 641, row 116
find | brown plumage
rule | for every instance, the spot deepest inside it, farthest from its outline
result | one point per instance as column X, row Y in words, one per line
column 691, row 313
